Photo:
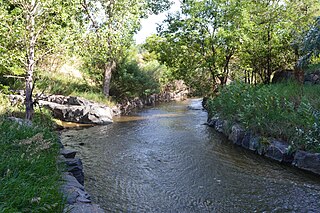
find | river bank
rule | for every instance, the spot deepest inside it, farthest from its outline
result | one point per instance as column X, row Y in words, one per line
column 277, row 121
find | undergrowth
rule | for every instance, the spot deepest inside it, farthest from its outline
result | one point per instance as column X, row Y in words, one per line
column 285, row 111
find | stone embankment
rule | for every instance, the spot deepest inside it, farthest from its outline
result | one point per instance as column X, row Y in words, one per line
column 268, row 147
column 77, row 199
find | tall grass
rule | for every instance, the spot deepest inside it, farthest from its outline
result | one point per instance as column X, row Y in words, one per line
column 286, row 111
column 29, row 175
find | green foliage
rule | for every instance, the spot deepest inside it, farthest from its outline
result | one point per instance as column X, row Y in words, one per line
column 29, row 178
column 134, row 80
column 273, row 111
column 311, row 44
column 245, row 40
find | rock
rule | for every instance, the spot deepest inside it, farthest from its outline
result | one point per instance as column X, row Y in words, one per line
column 307, row 161
column 16, row 99
column 254, row 143
column 278, row 151
column 70, row 180
column 219, row 125
column 87, row 114
column 68, row 153
column 205, row 102
column 211, row 121
column 72, row 189
column 83, row 208
column 75, row 167
column 246, row 140
column 237, row 134
column 20, row 121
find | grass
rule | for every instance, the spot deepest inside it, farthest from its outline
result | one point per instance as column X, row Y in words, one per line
column 30, row 177
column 61, row 84
column 285, row 111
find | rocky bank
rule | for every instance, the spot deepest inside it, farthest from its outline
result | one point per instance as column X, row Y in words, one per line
column 268, row 147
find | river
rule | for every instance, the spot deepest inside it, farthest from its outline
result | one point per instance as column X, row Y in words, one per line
column 164, row 159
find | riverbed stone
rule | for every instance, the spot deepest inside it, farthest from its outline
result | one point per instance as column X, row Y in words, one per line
column 237, row 134
column 307, row 161
column 278, row 151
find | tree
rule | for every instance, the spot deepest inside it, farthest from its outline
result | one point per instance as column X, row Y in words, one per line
column 201, row 40
column 112, row 25
column 36, row 28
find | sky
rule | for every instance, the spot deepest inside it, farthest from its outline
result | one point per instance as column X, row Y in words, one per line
column 149, row 25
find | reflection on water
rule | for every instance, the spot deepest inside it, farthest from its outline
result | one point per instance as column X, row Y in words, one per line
column 165, row 160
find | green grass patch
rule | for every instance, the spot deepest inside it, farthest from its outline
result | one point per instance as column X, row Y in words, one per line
column 285, row 111
column 30, row 177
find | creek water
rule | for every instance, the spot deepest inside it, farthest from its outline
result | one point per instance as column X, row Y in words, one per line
column 164, row 159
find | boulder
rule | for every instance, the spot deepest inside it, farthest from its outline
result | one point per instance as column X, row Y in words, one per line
column 278, row 151
column 307, row 161
column 237, row 134
column 87, row 114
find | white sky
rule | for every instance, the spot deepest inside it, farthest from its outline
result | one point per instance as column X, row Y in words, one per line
column 149, row 25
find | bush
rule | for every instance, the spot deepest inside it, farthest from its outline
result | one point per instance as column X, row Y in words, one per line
column 286, row 111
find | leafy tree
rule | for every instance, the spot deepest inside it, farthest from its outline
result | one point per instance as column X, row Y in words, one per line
column 311, row 44
column 34, row 29
column 201, row 40
column 112, row 25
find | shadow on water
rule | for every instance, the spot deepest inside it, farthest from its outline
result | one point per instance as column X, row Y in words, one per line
column 165, row 160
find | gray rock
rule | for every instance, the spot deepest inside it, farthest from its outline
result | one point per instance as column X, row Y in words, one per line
column 307, row 161
column 277, row 151
column 87, row 114
column 219, row 125
column 246, row 140
column 84, row 208
column 212, row 121
column 254, row 143
column 70, row 180
column 67, row 153
column 20, row 121
column 237, row 134
column 75, row 167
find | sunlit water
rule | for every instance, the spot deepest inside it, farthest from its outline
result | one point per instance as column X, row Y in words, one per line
column 164, row 159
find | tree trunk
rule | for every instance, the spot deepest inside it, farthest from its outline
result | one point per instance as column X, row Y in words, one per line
column 31, row 60
column 109, row 68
